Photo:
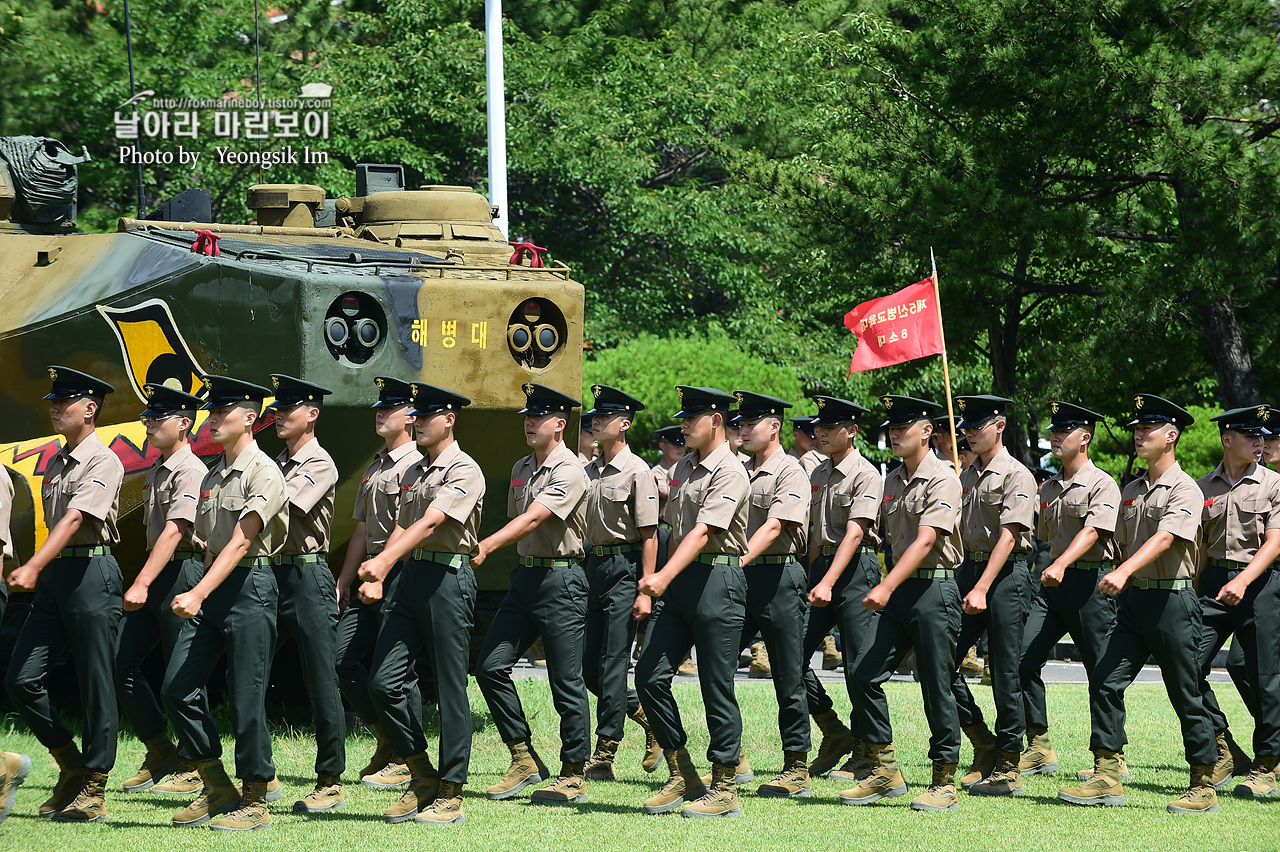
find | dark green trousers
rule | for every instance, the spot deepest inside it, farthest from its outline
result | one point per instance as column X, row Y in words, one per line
column 238, row 619
column 1075, row 607
column 432, row 609
column 1239, row 671
column 141, row 631
column 357, row 635
column 1165, row 625
column 551, row 603
column 610, row 630
column 78, row 605
column 703, row 608
column 1255, row 624
column 777, row 605
column 1004, row 621
column 845, row 611
column 923, row 615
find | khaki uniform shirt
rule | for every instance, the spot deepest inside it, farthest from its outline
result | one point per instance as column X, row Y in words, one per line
column 849, row 491
column 253, row 485
column 1174, row 505
column 778, row 491
column 88, row 479
column 453, row 485
column 931, row 498
column 378, row 498
column 808, row 461
column 662, row 476
column 1090, row 499
column 6, row 515
column 715, row 492
column 560, row 484
column 1236, row 517
column 171, row 492
column 1001, row 494
column 311, row 478
column 622, row 498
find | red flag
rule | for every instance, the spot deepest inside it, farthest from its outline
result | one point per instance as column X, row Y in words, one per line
column 896, row 328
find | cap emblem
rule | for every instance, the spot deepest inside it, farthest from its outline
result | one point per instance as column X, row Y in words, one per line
column 528, row 388
column 1264, row 413
column 380, row 382
column 275, row 383
column 960, row 405
column 53, row 374
column 1139, row 401
column 888, row 402
column 1053, row 406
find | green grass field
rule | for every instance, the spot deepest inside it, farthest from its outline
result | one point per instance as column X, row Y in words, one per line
column 612, row 819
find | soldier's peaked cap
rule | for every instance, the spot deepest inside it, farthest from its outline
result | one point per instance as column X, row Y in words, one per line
column 226, row 391
column 670, row 434
column 804, row 424
column 754, row 406
column 392, row 393
column 1068, row 415
column 832, row 411
column 1254, row 420
column 695, row 401
column 908, row 409
column 540, row 400
column 1149, row 408
column 429, row 399
column 610, row 400
column 977, row 409
column 69, row 384
column 290, row 391
column 163, row 400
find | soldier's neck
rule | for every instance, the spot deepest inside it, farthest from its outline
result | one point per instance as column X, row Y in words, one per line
column 79, row 436
column 234, row 449
column 540, row 454
column 167, row 454
column 1157, row 466
column 984, row 459
column 762, row 456
column 1235, row 468
column 297, row 443
column 913, row 461
column 433, row 451
column 1073, row 465
column 610, row 449
column 399, row 440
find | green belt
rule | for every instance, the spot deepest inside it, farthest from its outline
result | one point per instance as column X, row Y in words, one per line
column 830, row 549
column 1103, row 567
column 775, row 559
column 717, row 559
column 186, row 554
column 86, row 550
column 981, row 556
column 254, row 562
column 297, row 558
column 1229, row 564
column 614, row 549
column 453, row 560
column 932, row 574
column 1164, row 585
column 541, row 562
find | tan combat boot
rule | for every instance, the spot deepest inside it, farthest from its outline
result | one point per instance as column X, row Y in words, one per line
column 252, row 813
column 984, row 753
column 160, row 761
column 793, row 782
column 382, row 755
column 327, row 796
column 446, row 808
column 274, row 792
column 218, row 796
column 831, row 659
column 526, row 768
column 600, row 766
column 1004, row 780
column 652, row 751
column 857, row 767
column 721, row 799
column 424, row 786
column 1101, row 786
column 1039, row 758
column 395, row 774
column 89, row 805
column 70, row 779
column 687, row 667
column 565, row 789
column 884, row 782
column 1122, row 769
column 1232, row 761
column 14, row 769
column 744, row 774
column 683, row 783
column 970, row 665
column 1201, row 797
column 837, row 741
column 759, row 661
column 1260, row 783
column 185, row 782
column 941, row 794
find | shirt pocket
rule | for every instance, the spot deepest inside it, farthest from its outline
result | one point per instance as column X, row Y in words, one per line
column 1077, row 509
column 614, row 493
column 992, row 498
column 1253, row 519
column 231, row 504
column 761, row 500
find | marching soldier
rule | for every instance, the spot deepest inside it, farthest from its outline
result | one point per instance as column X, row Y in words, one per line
column 170, row 496
column 622, row 543
column 243, row 517
column 548, row 597
column 14, row 768
column 1079, row 507
column 1159, row 615
column 777, row 585
column 431, row 608
column 79, row 603
column 846, row 492
column 671, row 446
column 704, row 598
column 308, row 604
column 919, row 605
column 805, row 449
column 587, row 445
column 1240, row 595
column 376, row 506
column 997, row 519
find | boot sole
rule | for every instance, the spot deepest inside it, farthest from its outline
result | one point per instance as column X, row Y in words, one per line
column 973, row 790
column 535, row 799
column 376, row 785
column 1240, row 792
column 212, row 815
column 458, row 820
column 851, row 777
column 1039, row 769
column 780, row 793
column 1174, row 809
column 24, row 769
column 1093, row 801
column 692, row 795
column 300, row 808
column 734, row 812
column 58, row 817
column 920, row 806
column 887, row 793
column 652, row 767
column 399, row 818
column 260, row 826
column 528, row 780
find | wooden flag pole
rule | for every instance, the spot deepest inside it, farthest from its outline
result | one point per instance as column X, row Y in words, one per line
column 946, row 369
